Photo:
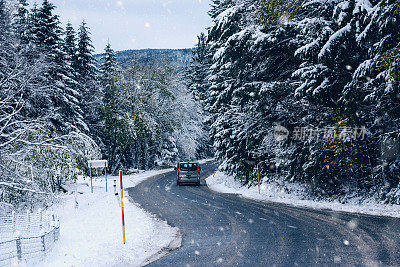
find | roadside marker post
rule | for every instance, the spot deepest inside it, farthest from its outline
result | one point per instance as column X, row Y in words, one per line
column 258, row 171
column 91, row 183
column 115, row 187
column 258, row 174
column 122, row 206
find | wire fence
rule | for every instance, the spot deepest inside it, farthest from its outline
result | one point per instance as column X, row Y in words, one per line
column 27, row 237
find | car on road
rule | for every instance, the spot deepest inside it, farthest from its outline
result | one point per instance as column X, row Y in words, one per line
column 187, row 173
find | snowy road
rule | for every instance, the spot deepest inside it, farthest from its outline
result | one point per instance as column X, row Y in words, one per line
column 223, row 229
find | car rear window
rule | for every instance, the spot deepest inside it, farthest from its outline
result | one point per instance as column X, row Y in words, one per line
column 188, row 166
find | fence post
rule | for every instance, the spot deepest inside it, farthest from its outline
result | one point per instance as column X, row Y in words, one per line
column 43, row 243
column 258, row 172
column 76, row 198
column 28, row 219
column 41, row 219
column 91, row 182
column 55, row 228
column 19, row 252
column 105, row 170
column 14, row 218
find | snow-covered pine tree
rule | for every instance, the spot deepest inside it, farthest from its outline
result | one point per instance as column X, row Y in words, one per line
column 113, row 130
column 45, row 32
column 35, row 160
column 250, row 85
column 385, row 99
column 20, row 20
column 108, row 73
column 85, row 60
column 198, row 85
column 5, row 39
column 199, row 69
column 311, row 64
column 70, row 48
column 373, row 93
column 227, row 19
column 219, row 6
column 337, row 71
column 319, row 80
column 88, row 81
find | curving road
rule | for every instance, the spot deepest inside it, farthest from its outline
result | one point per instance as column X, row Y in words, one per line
column 224, row 229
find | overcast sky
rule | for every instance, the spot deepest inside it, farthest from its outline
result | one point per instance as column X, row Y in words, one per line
column 137, row 24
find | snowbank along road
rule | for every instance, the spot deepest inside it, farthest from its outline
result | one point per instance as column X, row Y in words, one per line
column 224, row 229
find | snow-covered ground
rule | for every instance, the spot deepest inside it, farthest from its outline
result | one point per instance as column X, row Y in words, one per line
column 273, row 193
column 91, row 235
column 203, row 161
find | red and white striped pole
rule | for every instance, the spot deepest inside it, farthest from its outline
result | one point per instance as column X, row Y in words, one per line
column 122, row 206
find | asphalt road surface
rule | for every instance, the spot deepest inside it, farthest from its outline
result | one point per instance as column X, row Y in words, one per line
column 226, row 230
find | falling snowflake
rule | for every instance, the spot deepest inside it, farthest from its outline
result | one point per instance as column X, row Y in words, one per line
column 352, row 225
column 284, row 19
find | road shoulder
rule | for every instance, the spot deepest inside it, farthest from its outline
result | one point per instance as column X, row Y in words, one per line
column 91, row 231
column 221, row 183
column 176, row 240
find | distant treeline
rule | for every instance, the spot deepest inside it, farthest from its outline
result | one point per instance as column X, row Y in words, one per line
column 178, row 58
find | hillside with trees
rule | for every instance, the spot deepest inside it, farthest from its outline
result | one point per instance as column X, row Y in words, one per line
column 325, row 71
column 304, row 91
column 60, row 107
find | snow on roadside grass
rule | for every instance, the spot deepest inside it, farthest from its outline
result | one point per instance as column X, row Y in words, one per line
column 203, row 161
column 135, row 179
column 273, row 193
column 91, row 235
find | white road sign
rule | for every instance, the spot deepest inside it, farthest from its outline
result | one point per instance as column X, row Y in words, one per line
column 98, row 163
